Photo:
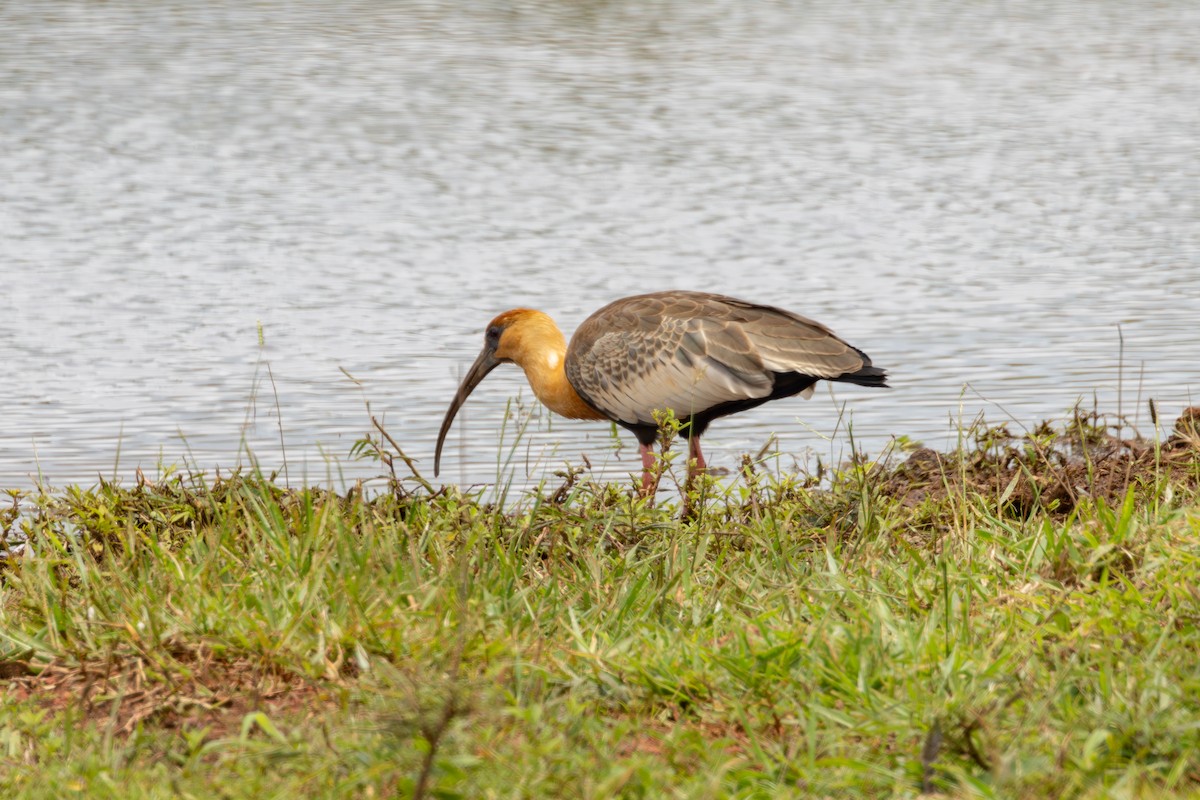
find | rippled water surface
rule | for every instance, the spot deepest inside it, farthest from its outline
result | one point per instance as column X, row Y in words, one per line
column 977, row 194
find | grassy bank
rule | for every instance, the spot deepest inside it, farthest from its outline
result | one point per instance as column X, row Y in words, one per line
column 1017, row 619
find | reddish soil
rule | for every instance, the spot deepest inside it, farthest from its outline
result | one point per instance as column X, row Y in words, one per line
column 1051, row 471
column 190, row 689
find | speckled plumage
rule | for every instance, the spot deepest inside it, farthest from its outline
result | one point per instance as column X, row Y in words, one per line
column 702, row 356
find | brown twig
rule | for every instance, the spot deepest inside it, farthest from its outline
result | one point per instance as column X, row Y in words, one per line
column 412, row 467
column 929, row 754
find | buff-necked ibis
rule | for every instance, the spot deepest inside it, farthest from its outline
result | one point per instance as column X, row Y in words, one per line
column 700, row 355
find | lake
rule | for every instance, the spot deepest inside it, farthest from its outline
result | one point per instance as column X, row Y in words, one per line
column 210, row 213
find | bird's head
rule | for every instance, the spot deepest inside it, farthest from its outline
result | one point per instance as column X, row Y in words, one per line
column 519, row 335
column 514, row 337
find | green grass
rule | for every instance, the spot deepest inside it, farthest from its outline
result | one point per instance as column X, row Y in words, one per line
column 236, row 639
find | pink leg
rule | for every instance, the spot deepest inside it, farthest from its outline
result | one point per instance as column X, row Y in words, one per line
column 647, row 470
column 696, row 465
column 694, row 454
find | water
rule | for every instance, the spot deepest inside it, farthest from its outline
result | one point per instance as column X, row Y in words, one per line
column 977, row 194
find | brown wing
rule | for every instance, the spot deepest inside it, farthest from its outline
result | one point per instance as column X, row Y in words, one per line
column 692, row 351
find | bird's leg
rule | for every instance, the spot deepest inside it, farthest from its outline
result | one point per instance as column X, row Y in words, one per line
column 694, row 455
column 696, row 465
column 648, row 481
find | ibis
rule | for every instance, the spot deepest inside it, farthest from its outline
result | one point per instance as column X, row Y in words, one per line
column 698, row 355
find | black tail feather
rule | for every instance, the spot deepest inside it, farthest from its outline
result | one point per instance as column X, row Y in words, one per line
column 867, row 376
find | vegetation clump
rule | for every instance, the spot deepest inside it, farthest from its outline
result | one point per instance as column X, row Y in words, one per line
column 1017, row 618
column 1051, row 470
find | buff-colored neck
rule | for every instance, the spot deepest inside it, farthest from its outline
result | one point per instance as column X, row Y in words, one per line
column 534, row 342
column 548, row 379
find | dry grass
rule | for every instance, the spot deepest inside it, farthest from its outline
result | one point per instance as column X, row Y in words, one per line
column 174, row 688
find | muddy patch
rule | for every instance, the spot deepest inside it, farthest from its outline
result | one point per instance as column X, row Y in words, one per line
column 190, row 688
column 1050, row 470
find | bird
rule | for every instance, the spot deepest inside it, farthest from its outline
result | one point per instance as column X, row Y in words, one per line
column 698, row 355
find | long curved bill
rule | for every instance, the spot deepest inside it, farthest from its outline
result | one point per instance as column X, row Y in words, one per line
column 483, row 365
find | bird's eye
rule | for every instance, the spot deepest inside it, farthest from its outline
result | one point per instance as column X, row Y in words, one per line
column 493, row 334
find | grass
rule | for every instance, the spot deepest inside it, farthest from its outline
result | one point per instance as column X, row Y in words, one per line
column 959, row 624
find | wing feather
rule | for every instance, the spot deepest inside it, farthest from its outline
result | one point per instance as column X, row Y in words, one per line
column 691, row 351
